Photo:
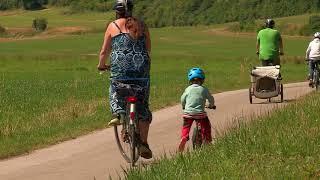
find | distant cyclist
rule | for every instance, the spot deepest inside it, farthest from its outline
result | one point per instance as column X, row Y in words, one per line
column 127, row 41
column 313, row 54
column 269, row 45
column 193, row 104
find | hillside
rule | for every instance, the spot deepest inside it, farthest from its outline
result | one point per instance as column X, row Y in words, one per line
column 159, row 13
column 192, row 12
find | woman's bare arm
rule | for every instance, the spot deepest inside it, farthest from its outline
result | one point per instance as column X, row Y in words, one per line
column 105, row 49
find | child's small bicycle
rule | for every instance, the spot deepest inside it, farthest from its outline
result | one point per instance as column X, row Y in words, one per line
column 198, row 136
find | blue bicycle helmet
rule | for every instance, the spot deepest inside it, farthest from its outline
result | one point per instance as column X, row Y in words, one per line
column 196, row 73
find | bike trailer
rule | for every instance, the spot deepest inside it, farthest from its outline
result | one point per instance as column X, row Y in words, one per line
column 265, row 82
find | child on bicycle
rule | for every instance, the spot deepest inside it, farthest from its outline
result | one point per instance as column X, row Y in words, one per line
column 193, row 104
column 313, row 55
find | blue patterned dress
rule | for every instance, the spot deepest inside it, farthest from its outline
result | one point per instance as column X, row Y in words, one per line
column 129, row 59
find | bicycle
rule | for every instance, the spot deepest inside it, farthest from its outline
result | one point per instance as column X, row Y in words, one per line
column 128, row 134
column 315, row 77
column 198, row 136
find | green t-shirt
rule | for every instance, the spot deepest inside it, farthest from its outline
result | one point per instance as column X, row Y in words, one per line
column 194, row 98
column 269, row 44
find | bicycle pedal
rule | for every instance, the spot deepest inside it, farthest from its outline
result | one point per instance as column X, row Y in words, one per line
column 125, row 137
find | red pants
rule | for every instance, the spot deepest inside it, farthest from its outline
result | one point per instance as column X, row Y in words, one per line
column 205, row 129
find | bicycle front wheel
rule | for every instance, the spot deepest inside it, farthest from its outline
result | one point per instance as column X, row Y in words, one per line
column 196, row 138
column 316, row 79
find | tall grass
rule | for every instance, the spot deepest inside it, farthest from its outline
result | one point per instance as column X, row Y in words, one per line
column 283, row 145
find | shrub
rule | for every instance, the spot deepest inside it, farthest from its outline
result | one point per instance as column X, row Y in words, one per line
column 305, row 30
column 234, row 27
column 40, row 24
column 2, row 30
column 34, row 4
column 245, row 25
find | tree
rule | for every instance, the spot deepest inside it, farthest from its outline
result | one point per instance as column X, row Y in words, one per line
column 33, row 4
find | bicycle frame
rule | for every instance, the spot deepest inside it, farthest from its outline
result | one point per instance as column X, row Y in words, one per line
column 131, row 100
column 197, row 137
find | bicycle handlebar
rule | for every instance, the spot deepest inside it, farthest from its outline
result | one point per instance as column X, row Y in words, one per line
column 280, row 53
column 213, row 107
column 104, row 69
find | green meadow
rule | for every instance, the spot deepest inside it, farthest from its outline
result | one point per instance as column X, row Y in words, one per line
column 51, row 91
column 57, row 17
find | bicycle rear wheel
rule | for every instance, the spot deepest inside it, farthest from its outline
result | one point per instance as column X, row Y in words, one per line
column 126, row 141
column 123, row 141
column 281, row 92
column 133, row 146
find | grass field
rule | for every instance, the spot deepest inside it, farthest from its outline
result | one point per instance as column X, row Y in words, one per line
column 50, row 90
column 283, row 145
column 56, row 18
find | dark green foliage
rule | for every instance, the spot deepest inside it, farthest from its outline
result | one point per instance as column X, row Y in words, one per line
column 84, row 5
column 26, row 4
column 91, row 5
column 10, row 4
column 158, row 13
column 314, row 22
column 40, row 24
column 60, row 2
column 34, row 4
column 192, row 12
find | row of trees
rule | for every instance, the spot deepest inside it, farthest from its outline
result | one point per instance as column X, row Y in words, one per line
column 26, row 4
column 76, row 5
column 158, row 13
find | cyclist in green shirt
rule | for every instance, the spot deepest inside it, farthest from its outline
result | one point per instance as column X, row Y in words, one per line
column 269, row 45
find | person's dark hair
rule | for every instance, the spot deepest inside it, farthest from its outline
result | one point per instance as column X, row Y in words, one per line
column 135, row 26
column 197, row 81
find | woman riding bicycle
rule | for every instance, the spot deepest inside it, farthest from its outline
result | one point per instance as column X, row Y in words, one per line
column 313, row 55
column 127, row 41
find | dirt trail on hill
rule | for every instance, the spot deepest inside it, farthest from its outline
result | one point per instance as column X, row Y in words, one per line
column 95, row 156
column 21, row 34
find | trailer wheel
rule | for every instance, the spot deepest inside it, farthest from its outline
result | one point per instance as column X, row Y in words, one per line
column 250, row 96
